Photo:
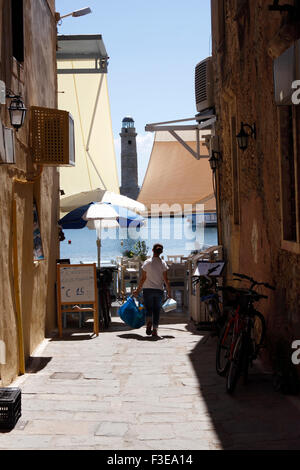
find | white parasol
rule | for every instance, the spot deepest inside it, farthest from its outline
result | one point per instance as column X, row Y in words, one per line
column 69, row 203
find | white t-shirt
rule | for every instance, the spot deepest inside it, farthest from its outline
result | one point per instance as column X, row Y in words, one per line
column 154, row 267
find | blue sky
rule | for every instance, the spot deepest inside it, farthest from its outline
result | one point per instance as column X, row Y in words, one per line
column 153, row 49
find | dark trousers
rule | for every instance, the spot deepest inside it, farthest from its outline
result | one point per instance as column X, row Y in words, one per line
column 153, row 301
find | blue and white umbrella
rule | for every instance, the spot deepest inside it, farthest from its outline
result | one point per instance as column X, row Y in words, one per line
column 70, row 203
column 98, row 215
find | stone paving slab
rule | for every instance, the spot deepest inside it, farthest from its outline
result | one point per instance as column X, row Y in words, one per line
column 131, row 392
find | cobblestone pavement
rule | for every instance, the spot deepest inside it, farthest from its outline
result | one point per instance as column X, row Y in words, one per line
column 126, row 391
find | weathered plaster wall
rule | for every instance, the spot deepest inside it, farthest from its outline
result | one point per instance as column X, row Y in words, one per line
column 245, row 89
column 36, row 79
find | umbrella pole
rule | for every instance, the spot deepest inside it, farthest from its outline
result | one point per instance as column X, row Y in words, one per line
column 98, row 252
column 99, row 246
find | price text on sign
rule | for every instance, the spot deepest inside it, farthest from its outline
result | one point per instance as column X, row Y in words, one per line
column 77, row 284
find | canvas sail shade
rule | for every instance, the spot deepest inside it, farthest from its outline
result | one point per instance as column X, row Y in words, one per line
column 175, row 177
column 86, row 97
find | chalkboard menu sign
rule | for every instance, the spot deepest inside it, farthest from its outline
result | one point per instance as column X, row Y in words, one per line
column 77, row 285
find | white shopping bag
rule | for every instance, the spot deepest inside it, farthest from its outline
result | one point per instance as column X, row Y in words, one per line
column 169, row 305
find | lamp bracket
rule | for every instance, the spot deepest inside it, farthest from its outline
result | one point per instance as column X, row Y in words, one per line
column 8, row 95
column 11, row 95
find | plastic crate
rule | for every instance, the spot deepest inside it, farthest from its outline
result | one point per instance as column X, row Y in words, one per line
column 10, row 407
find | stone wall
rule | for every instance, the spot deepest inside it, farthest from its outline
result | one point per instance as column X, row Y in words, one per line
column 249, row 182
column 36, row 80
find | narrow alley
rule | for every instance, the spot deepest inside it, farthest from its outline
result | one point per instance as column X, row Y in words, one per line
column 125, row 391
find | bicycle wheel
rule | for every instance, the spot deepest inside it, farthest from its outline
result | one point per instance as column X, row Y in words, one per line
column 212, row 310
column 212, row 315
column 223, row 349
column 236, row 365
column 258, row 333
column 247, row 356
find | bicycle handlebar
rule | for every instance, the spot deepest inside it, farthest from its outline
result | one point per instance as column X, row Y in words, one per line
column 253, row 281
column 269, row 286
column 245, row 292
column 257, row 295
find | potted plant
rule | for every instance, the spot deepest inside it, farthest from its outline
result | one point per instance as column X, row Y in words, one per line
column 140, row 250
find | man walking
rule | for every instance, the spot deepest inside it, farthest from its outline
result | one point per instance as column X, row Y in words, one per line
column 154, row 276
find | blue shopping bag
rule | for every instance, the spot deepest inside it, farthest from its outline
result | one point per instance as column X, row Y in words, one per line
column 131, row 314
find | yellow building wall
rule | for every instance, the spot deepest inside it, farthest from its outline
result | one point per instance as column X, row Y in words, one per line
column 36, row 81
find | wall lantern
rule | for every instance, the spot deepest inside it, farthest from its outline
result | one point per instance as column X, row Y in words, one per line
column 213, row 161
column 243, row 136
column 277, row 7
column 17, row 111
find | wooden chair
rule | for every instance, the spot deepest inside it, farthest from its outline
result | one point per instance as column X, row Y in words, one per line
column 133, row 270
column 76, row 309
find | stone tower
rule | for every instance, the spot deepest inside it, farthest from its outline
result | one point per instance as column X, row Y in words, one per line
column 129, row 165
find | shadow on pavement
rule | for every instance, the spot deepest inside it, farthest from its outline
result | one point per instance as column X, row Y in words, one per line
column 144, row 338
column 255, row 417
column 35, row 364
column 5, row 431
column 73, row 336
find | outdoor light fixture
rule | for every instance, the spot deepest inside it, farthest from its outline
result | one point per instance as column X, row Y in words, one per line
column 277, row 7
column 17, row 111
column 213, row 161
column 75, row 14
column 243, row 136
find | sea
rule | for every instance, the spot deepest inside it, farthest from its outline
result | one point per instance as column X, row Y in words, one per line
column 178, row 235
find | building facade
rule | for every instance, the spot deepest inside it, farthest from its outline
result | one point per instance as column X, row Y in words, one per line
column 259, row 187
column 29, row 193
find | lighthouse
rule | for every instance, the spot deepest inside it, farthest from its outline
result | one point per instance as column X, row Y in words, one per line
column 129, row 164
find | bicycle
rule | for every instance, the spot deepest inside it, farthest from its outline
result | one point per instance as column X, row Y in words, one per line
column 209, row 290
column 243, row 335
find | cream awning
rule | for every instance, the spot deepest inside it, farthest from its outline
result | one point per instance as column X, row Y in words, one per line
column 174, row 176
column 86, row 97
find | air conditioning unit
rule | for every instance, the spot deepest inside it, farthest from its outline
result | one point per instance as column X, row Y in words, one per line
column 204, row 85
column 286, row 71
column 52, row 137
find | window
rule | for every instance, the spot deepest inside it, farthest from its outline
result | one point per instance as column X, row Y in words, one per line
column 289, row 122
column 17, row 30
column 6, row 44
column 129, row 142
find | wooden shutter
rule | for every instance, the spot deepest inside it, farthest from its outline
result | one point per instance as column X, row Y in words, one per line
column 6, row 43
